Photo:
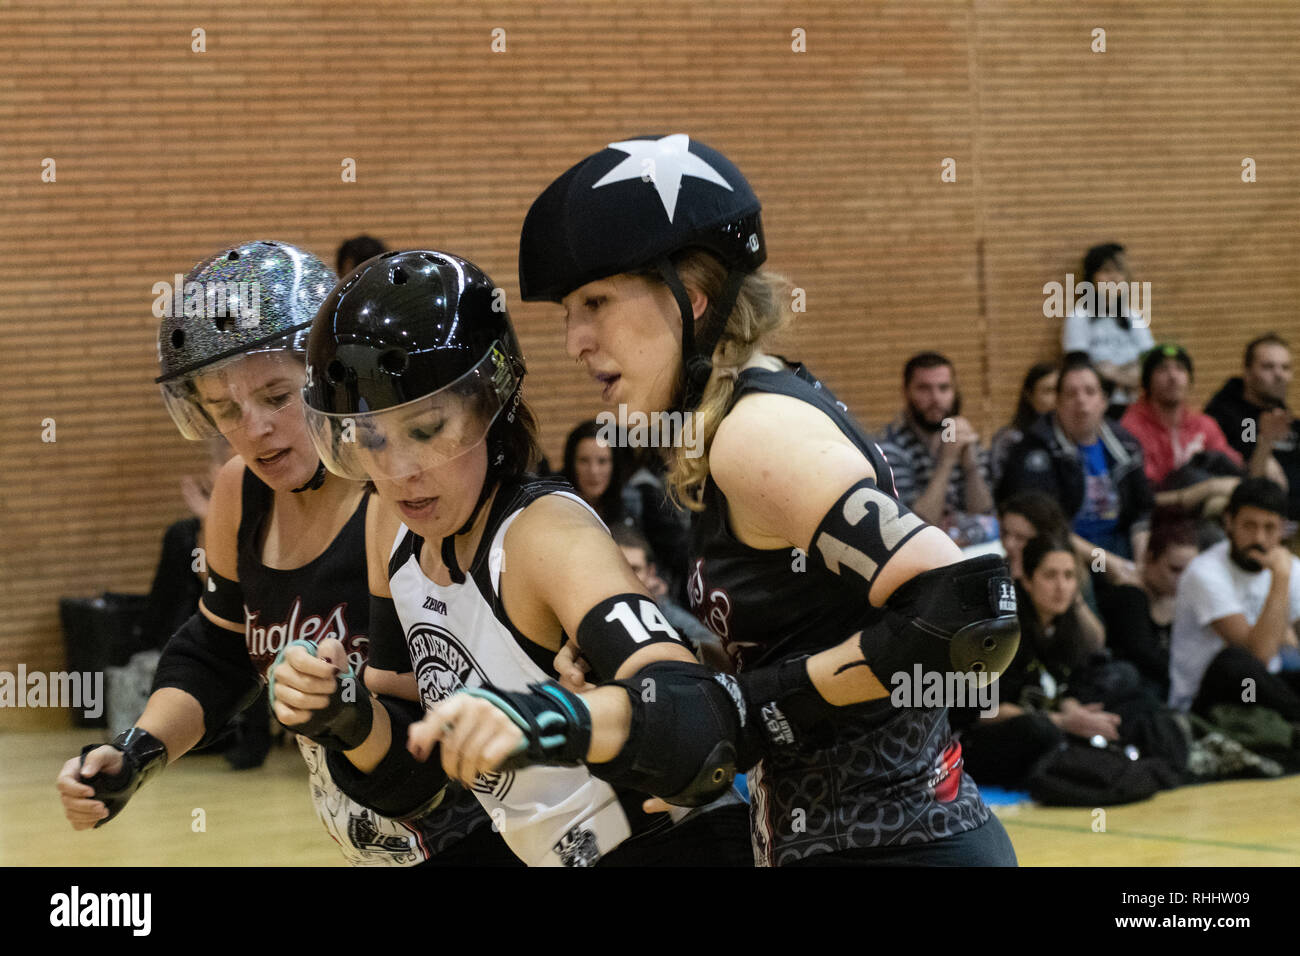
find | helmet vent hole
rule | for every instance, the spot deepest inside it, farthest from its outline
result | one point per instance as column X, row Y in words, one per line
column 220, row 323
column 336, row 371
column 178, row 338
column 393, row 361
column 398, row 276
column 232, row 256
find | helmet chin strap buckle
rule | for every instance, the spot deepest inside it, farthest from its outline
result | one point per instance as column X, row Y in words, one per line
column 315, row 481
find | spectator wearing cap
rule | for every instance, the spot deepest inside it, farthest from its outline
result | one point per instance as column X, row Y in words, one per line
column 1113, row 331
column 1171, row 431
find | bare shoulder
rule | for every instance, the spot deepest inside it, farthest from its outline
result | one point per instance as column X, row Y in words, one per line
column 221, row 527
column 547, row 524
column 559, row 562
column 782, row 463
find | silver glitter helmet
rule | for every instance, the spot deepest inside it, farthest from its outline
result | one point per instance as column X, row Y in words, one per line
column 256, row 298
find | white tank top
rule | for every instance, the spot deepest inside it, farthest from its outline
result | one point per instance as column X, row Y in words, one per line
column 549, row 816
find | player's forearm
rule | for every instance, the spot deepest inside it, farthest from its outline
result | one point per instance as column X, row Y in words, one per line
column 611, row 722
column 376, row 746
column 175, row 718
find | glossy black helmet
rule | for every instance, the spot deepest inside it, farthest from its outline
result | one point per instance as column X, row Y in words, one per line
column 409, row 362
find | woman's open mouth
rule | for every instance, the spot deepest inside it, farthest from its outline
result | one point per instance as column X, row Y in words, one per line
column 272, row 460
column 417, row 508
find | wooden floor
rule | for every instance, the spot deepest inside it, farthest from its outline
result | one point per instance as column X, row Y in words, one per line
column 264, row 817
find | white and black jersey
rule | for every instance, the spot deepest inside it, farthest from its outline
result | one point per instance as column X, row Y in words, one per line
column 458, row 635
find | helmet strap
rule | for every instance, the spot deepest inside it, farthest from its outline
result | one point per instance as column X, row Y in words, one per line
column 697, row 360
column 315, row 481
column 449, row 542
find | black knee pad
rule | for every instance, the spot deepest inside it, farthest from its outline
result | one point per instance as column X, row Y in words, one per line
column 686, row 733
column 957, row 618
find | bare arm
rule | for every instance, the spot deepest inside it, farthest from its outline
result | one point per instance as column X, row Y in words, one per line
column 1271, row 629
column 781, row 501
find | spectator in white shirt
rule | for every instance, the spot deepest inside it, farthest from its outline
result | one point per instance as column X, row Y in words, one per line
column 1114, row 332
column 1236, row 607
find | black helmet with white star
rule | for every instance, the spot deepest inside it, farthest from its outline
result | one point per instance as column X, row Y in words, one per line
column 631, row 207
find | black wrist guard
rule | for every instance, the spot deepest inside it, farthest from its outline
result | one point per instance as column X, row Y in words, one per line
column 143, row 755
column 556, row 723
column 785, row 712
column 345, row 722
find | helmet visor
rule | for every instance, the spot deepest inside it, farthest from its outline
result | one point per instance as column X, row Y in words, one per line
column 421, row 434
column 245, row 391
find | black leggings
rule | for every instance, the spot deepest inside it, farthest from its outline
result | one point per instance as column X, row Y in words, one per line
column 717, row 837
column 1222, row 684
column 988, row 845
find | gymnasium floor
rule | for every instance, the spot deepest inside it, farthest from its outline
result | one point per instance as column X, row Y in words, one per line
column 264, row 817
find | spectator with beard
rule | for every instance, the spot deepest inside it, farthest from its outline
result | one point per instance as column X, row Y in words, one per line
column 1252, row 412
column 940, row 470
column 1235, row 610
column 1092, row 466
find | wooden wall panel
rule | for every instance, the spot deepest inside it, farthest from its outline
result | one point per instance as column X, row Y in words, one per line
column 164, row 155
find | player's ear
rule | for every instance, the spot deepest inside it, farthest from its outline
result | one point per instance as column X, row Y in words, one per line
column 699, row 302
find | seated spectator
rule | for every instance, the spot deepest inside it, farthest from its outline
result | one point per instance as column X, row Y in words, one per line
column 1170, row 430
column 1138, row 620
column 1037, row 398
column 940, row 471
column 1105, row 326
column 1235, row 609
column 1252, row 413
column 353, row 252
column 1034, row 711
column 595, row 471
column 638, row 554
column 1092, row 466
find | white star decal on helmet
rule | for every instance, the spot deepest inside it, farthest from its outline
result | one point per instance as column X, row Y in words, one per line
column 662, row 162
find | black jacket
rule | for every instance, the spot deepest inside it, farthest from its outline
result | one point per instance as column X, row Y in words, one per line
column 1231, row 409
column 1046, row 460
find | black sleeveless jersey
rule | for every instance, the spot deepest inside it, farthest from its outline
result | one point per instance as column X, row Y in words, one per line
column 327, row 597
column 330, row 597
column 893, row 775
